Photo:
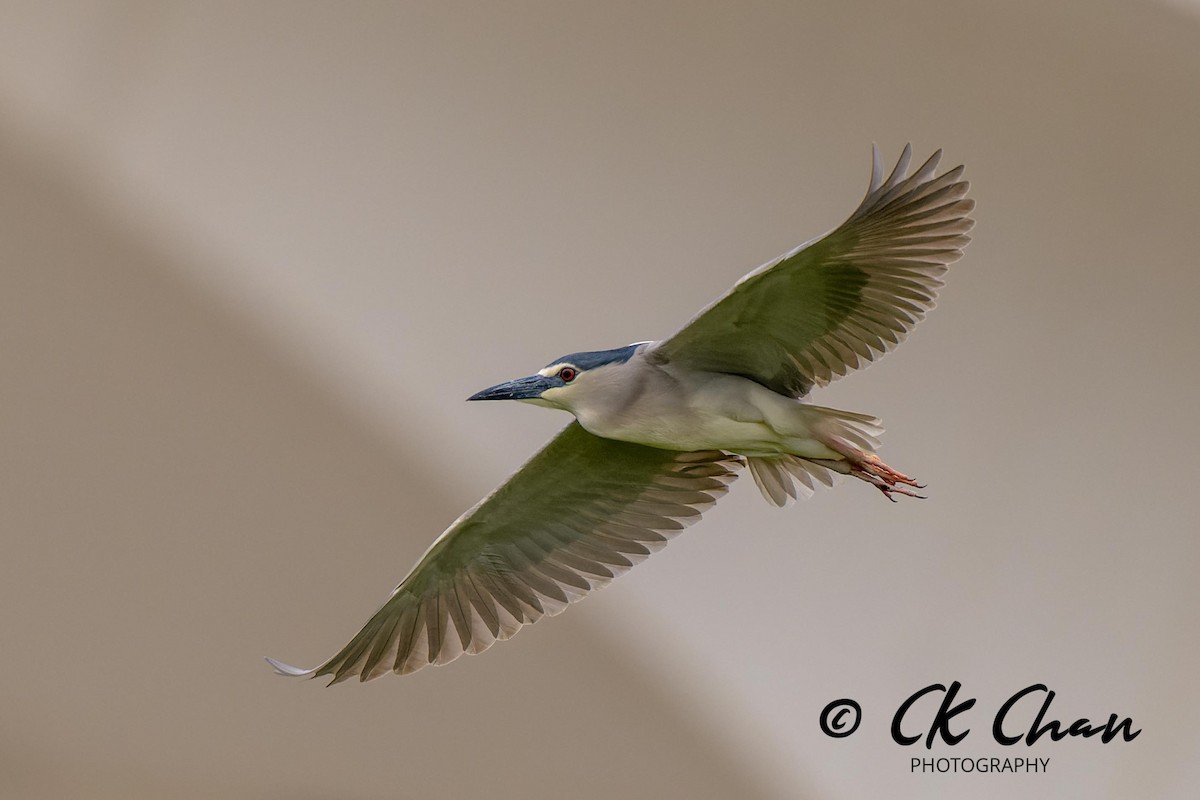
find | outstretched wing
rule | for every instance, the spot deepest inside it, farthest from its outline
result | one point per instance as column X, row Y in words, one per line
column 840, row 301
column 579, row 513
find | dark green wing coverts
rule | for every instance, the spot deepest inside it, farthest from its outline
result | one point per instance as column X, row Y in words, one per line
column 840, row 301
column 581, row 512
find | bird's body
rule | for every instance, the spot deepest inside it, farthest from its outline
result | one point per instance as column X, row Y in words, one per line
column 661, row 405
column 662, row 428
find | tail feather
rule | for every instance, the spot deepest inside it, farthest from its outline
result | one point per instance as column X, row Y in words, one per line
column 775, row 484
column 861, row 430
column 805, row 471
column 783, row 478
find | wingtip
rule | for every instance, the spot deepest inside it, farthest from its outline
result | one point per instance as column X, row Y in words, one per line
column 287, row 669
column 900, row 171
column 876, row 168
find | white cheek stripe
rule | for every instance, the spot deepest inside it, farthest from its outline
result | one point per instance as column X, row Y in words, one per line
column 554, row 368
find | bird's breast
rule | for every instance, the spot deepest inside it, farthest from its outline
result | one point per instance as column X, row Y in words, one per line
column 713, row 414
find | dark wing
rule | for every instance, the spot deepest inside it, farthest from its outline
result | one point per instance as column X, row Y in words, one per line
column 840, row 301
column 579, row 513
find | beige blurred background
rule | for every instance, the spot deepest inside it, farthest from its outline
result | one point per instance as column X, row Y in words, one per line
column 253, row 256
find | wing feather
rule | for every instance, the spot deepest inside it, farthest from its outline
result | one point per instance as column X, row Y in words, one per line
column 580, row 513
column 838, row 302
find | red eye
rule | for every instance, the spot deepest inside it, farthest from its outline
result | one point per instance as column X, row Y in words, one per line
column 567, row 374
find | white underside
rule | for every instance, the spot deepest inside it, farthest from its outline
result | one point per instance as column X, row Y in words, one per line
column 737, row 415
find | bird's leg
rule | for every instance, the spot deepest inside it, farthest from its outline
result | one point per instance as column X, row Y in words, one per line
column 882, row 485
column 870, row 468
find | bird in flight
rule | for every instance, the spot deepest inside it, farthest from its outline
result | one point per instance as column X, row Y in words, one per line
column 662, row 428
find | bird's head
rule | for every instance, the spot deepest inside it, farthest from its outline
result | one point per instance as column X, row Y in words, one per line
column 564, row 381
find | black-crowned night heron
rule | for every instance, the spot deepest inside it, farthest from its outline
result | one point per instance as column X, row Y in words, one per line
column 662, row 428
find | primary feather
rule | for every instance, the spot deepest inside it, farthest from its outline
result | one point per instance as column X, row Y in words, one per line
column 837, row 302
column 580, row 512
